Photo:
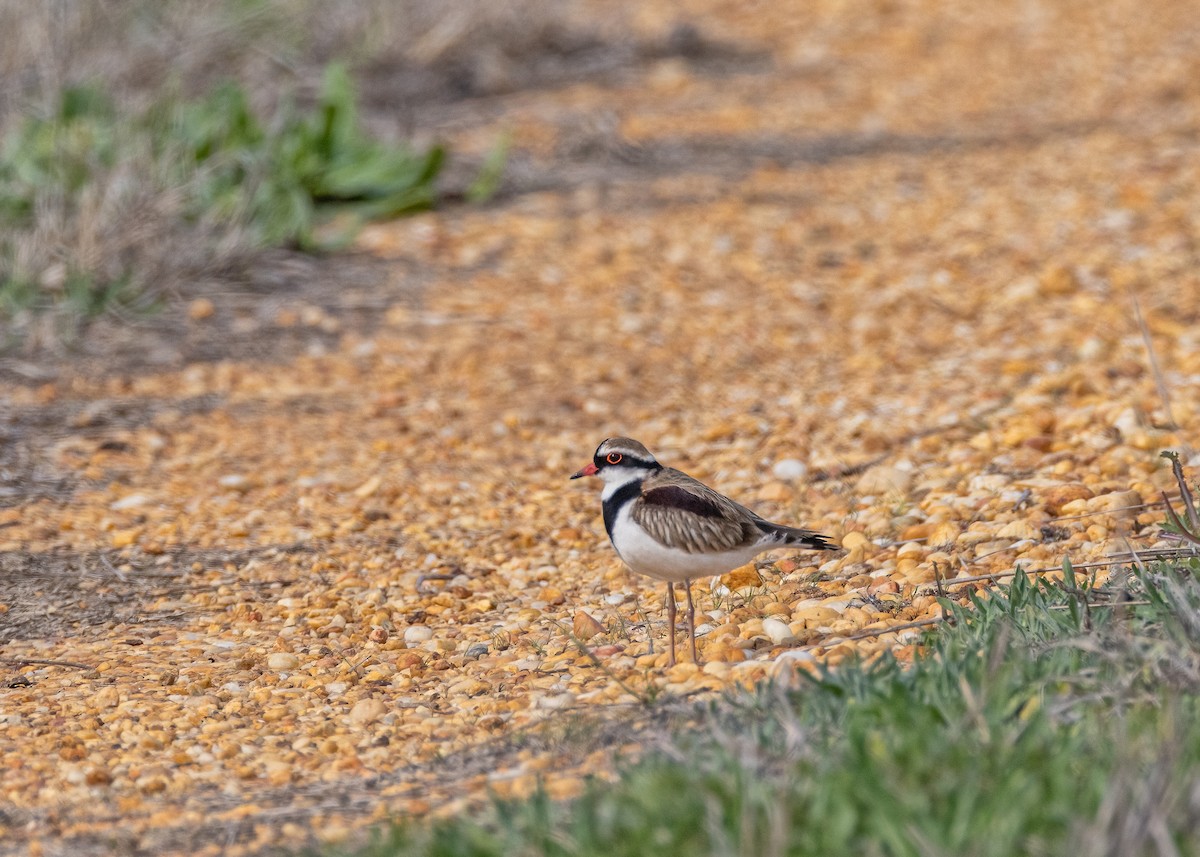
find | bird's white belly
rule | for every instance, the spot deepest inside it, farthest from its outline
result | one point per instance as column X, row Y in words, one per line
column 646, row 556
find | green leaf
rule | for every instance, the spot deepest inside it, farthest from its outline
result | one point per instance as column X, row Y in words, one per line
column 486, row 184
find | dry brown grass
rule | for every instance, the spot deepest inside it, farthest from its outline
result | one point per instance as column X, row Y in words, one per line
column 135, row 47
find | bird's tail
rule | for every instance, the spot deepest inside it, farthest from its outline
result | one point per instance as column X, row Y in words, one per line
column 800, row 538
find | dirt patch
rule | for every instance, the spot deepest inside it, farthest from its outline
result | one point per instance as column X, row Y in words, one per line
column 268, row 307
column 546, row 59
column 58, row 595
column 31, row 436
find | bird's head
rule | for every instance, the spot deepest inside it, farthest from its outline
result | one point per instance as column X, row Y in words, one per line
column 619, row 459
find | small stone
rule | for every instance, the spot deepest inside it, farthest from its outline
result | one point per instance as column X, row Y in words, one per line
column 987, row 483
column 916, row 532
column 332, row 833
column 585, row 626
column 885, row 480
column 1018, row 531
column 945, row 533
column 1058, row 280
column 853, row 539
column 106, row 697
column 775, row 492
column 681, row 672
column 816, row 617
column 720, row 669
column 417, row 634
column 200, row 309
column 1073, row 508
column 972, row 537
column 789, row 469
column 130, row 501
column 778, row 631
column 724, row 654
column 746, row 577
column 477, row 650
column 378, row 635
column 368, row 488
column 125, row 538
column 469, row 687
column 1115, row 501
column 367, row 711
column 98, row 777
column 555, row 701
column 282, row 661
column 1055, row 498
column 785, row 669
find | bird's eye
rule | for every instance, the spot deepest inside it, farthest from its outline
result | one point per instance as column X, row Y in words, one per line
column 613, row 458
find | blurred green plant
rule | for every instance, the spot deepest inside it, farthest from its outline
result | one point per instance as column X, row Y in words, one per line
column 60, row 152
column 300, row 173
column 74, row 188
column 487, row 182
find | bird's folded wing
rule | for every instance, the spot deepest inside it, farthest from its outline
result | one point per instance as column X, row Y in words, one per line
column 685, row 514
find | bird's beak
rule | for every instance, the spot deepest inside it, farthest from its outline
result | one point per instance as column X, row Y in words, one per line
column 590, row 470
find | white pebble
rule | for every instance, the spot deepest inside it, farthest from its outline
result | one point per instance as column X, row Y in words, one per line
column 790, row 469
column 367, row 711
column 282, row 661
column 778, row 631
column 417, row 634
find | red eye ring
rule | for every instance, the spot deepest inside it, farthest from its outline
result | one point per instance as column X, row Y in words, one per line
column 613, row 458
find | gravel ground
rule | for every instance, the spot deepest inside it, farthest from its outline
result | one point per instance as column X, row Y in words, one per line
column 927, row 281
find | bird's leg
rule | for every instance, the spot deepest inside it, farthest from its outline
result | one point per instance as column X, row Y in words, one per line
column 671, row 620
column 637, row 605
column 687, row 584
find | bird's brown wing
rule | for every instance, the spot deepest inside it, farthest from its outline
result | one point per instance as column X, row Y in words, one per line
column 682, row 513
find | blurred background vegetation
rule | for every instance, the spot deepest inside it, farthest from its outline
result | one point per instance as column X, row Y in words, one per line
column 145, row 143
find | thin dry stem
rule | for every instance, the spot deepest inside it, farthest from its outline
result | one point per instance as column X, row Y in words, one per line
column 1159, row 383
column 39, row 662
column 1184, row 493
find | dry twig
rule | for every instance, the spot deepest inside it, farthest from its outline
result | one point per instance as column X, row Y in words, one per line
column 39, row 662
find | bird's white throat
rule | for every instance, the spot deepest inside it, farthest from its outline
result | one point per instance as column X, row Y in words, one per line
column 617, row 477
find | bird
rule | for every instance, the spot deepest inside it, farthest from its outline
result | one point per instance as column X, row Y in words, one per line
column 666, row 525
